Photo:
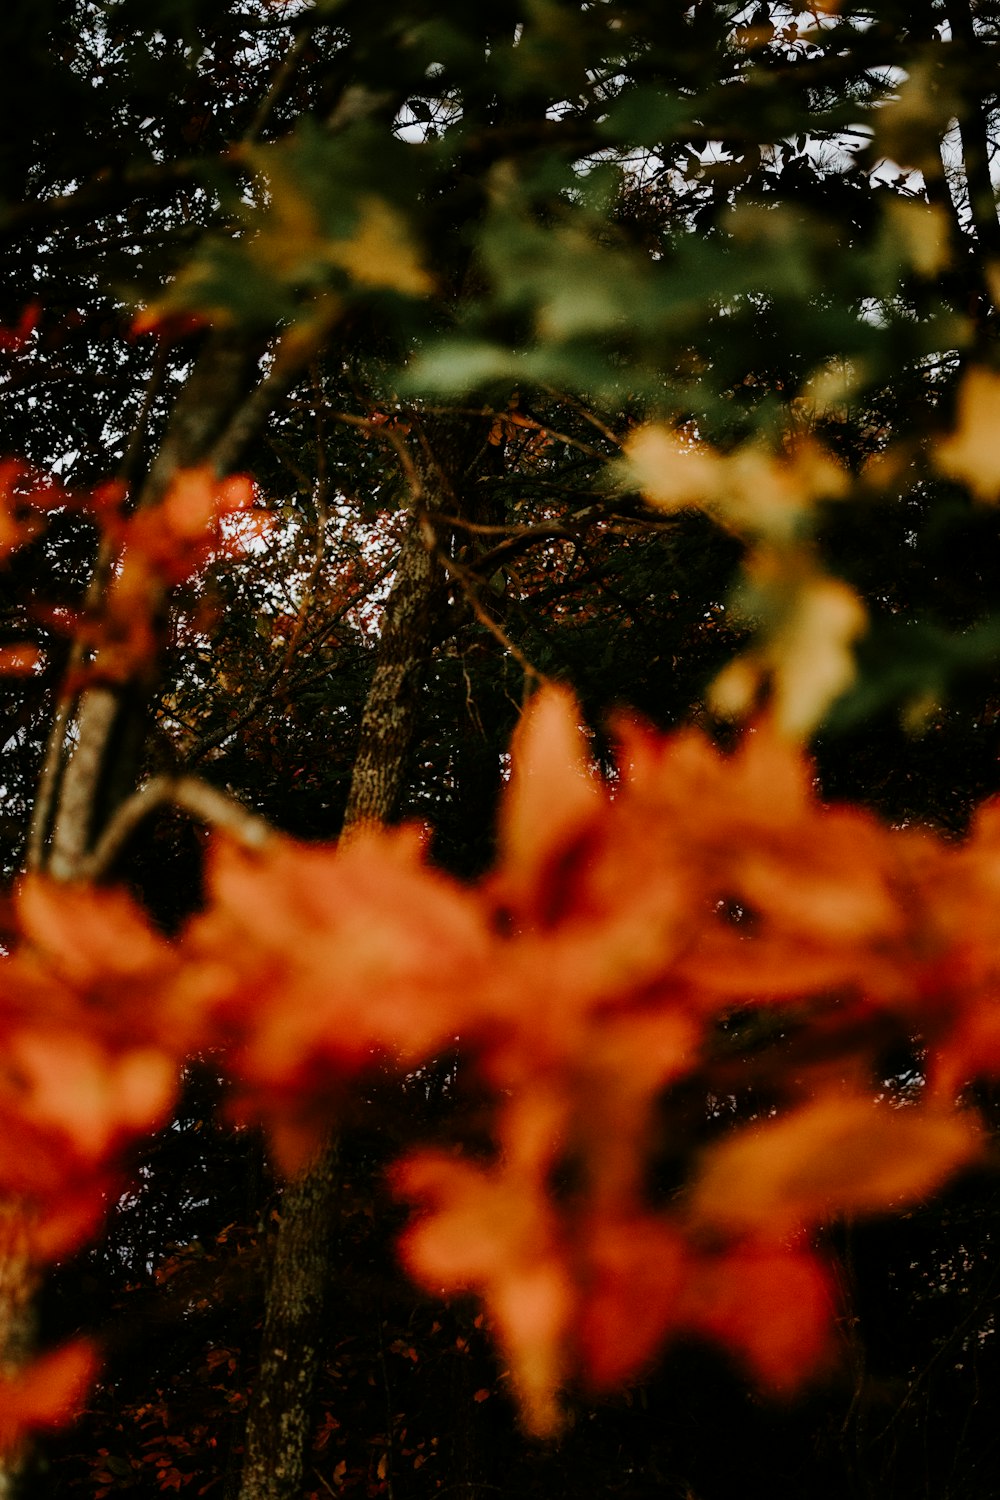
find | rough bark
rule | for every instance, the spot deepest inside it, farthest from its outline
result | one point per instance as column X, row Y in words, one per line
column 291, row 1339
column 388, row 720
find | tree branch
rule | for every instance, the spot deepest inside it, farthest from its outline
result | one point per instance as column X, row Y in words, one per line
column 204, row 803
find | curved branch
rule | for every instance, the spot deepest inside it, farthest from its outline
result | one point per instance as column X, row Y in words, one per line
column 203, row 802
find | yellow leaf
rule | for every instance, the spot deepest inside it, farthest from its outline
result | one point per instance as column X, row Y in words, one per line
column 751, row 491
column 812, row 658
column 806, row 655
column 672, row 472
column 972, row 453
column 734, row 691
column 771, row 495
column 922, row 231
column 381, row 252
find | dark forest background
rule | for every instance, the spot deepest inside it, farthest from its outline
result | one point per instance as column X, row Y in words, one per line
column 425, row 260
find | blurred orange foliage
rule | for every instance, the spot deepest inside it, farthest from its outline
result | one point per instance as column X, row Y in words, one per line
column 591, row 972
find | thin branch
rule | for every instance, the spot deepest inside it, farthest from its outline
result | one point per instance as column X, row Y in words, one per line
column 397, row 442
column 520, row 538
column 98, row 710
column 332, row 621
column 252, row 413
column 568, row 531
column 204, row 803
column 319, row 549
column 105, row 194
column 470, row 586
column 266, row 691
column 129, row 466
column 52, row 766
column 48, row 783
column 279, row 86
column 584, row 411
column 986, row 1298
column 520, row 419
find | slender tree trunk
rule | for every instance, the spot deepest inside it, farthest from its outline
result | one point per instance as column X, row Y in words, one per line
column 87, row 781
column 281, row 1412
column 94, row 756
column 18, row 1284
column 282, row 1405
column 975, row 127
column 96, row 742
column 976, row 130
column 390, row 712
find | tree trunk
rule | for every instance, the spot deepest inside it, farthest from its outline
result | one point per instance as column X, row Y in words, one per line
column 98, row 734
column 389, row 718
column 18, row 1284
column 281, row 1413
column 88, row 782
column 277, row 1434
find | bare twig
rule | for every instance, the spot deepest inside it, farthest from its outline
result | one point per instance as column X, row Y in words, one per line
column 588, row 416
column 279, row 86
column 388, row 433
column 520, row 538
column 266, row 691
column 470, row 586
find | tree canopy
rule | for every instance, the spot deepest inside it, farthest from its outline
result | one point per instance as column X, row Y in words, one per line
column 498, row 517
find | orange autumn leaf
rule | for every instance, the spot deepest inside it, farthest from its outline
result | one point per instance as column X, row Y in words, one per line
column 173, row 538
column 551, row 796
column 70, row 1085
column 92, row 1048
column 91, row 937
column 335, row 955
column 840, row 1153
column 494, row 1231
column 18, row 523
column 769, row 1305
column 960, row 973
column 636, row 1270
column 159, row 546
column 46, row 1394
column 90, row 955
column 591, row 980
